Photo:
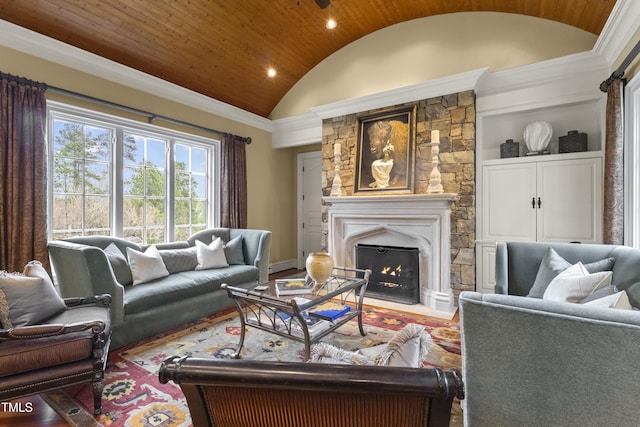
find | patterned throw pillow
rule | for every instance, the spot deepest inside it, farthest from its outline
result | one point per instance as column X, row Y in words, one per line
column 408, row 348
column 28, row 298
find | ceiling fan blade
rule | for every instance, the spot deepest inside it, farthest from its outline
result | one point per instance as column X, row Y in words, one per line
column 323, row 3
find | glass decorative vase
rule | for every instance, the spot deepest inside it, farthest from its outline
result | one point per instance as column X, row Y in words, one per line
column 319, row 266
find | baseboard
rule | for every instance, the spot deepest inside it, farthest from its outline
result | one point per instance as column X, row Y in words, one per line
column 277, row 267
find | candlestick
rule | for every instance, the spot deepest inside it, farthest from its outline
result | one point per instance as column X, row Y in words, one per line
column 336, row 188
column 435, row 183
column 435, row 136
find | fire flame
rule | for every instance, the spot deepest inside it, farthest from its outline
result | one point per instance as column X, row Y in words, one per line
column 392, row 272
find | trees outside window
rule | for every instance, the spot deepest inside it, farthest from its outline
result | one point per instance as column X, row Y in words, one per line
column 81, row 179
column 109, row 178
column 191, row 203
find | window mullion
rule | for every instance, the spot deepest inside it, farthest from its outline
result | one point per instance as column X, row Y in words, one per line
column 170, row 192
column 117, row 193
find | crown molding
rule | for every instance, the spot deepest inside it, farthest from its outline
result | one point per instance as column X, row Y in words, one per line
column 619, row 29
column 294, row 131
column 306, row 129
column 544, row 73
column 430, row 89
column 43, row 47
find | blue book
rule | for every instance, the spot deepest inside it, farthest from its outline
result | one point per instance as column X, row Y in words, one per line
column 329, row 310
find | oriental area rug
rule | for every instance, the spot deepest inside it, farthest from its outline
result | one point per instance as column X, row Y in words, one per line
column 133, row 396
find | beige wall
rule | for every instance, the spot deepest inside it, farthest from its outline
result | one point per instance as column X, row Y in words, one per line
column 428, row 48
column 271, row 179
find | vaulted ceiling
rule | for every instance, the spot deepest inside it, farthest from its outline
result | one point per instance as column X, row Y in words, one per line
column 223, row 48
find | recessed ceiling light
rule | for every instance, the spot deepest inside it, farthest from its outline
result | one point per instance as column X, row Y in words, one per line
column 331, row 24
column 271, row 72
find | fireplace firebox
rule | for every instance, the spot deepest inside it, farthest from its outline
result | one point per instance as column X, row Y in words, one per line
column 395, row 272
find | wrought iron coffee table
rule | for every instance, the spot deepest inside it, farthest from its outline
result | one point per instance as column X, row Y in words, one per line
column 282, row 315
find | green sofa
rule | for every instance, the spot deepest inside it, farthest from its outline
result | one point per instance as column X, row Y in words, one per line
column 82, row 268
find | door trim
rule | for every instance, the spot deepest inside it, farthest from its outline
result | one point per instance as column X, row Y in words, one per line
column 300, row 162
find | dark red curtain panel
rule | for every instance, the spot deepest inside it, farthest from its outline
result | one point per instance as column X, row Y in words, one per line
column 23, row 173
column 233, row 177
column 613, row 213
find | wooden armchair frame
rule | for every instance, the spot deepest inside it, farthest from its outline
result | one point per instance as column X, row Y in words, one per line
column 243, row 393
column 59, row 374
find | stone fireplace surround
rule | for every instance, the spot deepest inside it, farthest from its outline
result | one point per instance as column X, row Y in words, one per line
column 412, row 220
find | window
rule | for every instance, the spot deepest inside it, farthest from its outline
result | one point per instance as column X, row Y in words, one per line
column 117, row 177
column 145, row 183
column 191, row 190
column 81, row 178
column 632, row 160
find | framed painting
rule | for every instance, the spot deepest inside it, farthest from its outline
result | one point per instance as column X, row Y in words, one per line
column 385, row 153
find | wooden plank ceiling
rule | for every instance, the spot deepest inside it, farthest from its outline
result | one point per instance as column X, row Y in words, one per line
column 222, row 48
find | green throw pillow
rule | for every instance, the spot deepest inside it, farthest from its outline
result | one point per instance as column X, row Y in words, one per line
column 119, row 264
column 177, row 260
column 233, row 251
column 28, row 298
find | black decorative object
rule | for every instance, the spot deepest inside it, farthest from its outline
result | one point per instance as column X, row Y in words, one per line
column 509, row 148
column 573, row 142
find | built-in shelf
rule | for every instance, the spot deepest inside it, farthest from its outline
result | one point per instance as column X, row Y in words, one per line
column 496, row 127
column 543, row 157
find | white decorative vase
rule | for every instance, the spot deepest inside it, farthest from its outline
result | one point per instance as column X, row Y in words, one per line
column 537, row 136
column 319, row 266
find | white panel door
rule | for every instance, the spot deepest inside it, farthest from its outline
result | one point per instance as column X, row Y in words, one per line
column 311, row 204
column 570, row 193
column 508, row 212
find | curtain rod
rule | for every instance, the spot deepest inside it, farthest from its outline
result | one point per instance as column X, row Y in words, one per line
column 619, row 72
column 151, row 116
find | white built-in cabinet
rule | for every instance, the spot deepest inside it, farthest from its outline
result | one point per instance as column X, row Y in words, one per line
column 545, row 201
column 546, row 198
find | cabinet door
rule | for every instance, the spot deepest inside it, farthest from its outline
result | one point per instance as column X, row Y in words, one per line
column 507, row 194
column 570, row 194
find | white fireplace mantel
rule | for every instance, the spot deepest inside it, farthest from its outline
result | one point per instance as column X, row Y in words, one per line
column 412, row 220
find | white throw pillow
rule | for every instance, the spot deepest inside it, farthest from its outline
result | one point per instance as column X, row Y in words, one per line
column 619, row 300
column 211, row 256
column 575, row 283
column 146, row 266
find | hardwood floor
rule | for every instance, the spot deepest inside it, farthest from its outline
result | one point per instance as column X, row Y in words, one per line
column 41, row 414
column 30, row 411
